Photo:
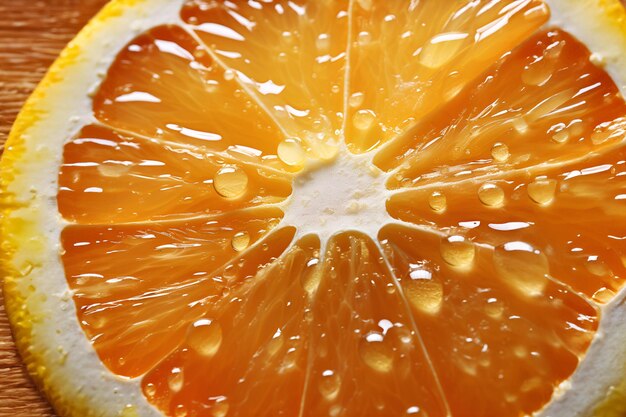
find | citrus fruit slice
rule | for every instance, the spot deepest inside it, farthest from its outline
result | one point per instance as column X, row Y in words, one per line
column 325, row 208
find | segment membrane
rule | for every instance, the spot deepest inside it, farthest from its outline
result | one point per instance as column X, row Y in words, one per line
column 408, row 58
column 291, row 54
column 110, row 177
column 138, row 287
column 497, row 349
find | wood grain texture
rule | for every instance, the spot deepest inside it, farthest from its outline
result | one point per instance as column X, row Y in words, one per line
column 32, row 33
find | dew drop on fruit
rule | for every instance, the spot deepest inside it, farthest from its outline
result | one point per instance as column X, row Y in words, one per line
column 538, row 73
column 113, row 170
column 150, row 390
column 542, row 191
column 180, row 411
column 491, row 195
column 437, row 201
column 356, row 100
column 363, row 119
column 330, row 384
column 323, row 42
column 240, row 241
column 230, row 182
column 175, row 380
column 205, row 337
column 441, row 49
column 276, row 343
column 494, row 308
column 500, row 152
column 291, row 152
column 364, row 38
column 457, row 251
column 220, row 409
column 229, row 75
column 604, row 295
column 376, row 354
column 312, row 276
column 522, row 267
column 597, row 267
column 424, row 294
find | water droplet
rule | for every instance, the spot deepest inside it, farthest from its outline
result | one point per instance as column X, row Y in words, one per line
column 229, row 75
column 522, row 266
column 220, row 409
column 441, row 49
column 437, row 201
column 205, row 337
column 276, row 343
column 356, row 100
column 520, row 125
column 531, row 384
column 180, row 411
column 312, row 276
column 604, row 295
column 335, row 410
column 109, row 169
column 230, row 182
column 323, row 42
column 291, row 152
column 288, row 37
column 500, row 152
column 538, row 73
column 559, row 132
column 597, row 267
column 375, row 353
column 457, row 251
column 494, row 308
column 240, row 241
column 425, row 295
column 520, row 351
column 150, row 390
column 491, row 195
column 542, row 191
column 330, row 384
column 175, row 380
column 364, row 38
column 363, row 119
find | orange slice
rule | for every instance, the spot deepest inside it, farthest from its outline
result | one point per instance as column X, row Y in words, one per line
column 325, row 208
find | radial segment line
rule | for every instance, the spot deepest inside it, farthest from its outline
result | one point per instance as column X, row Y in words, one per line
column 346, row 75
column 177, row 220
column 500, row 173
column 191, row 148
column 490, row 247
column 407, row 307
column 253, row 96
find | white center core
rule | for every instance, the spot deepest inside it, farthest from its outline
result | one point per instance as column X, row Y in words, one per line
column 347, row 193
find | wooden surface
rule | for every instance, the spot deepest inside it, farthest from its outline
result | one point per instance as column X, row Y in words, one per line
column 32, row 32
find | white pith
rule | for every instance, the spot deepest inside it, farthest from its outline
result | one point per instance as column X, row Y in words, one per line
column 346, row 193
column 58, row 332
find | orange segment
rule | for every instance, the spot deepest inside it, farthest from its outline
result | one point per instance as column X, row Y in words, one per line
column 111, row 177
column 165, row 85
column 366, row 359
column 160, row 277
column 556, row 209
column 540, row 104
column 290, row 53
column 408, row 58
column 497, row 349
column 247, row 355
